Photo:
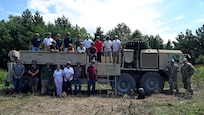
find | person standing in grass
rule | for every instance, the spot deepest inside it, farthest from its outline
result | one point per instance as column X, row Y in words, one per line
column 78, row 74
column 18, row 71
column 46, row 74
column 58, row 79
column 33, row 72
column 92, row 78
column 187, row 71
column 172, row 70
column 68, row 73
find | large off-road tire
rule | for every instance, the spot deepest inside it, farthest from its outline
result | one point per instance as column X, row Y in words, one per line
column 125, row 84
column 152, row 82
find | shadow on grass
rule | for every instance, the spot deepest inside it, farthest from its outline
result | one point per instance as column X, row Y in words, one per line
column 183, row 95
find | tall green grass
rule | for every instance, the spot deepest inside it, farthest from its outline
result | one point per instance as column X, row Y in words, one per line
column 3, row 75
column 198, row 76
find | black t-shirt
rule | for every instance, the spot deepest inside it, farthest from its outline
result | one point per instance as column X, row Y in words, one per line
column 59, row 43
column 36, row 42
column 33, row 69
column 92, row 50
column 67, row 41
column 52, row 47
column 77, row 43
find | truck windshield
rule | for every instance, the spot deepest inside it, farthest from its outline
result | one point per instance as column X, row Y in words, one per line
column 176, row 57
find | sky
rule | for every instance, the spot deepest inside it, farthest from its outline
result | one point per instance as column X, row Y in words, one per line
column 164, row 17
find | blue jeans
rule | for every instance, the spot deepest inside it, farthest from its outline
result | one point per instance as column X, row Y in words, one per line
column 77, row 82
column 94, row 57
column 18, row 85
column 35, row 49
column 93, row 84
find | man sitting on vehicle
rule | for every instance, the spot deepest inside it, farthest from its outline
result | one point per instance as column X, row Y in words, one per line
column 81, row 48
column 92, row 52
column 54, row 47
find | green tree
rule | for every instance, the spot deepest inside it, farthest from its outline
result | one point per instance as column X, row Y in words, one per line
column 99, row 32
column 188, row 44
column 122, row 30
column 168, row 46
column 155, row 42
column 136, row 35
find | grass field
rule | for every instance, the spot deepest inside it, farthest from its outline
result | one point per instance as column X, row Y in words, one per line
column 156, row 104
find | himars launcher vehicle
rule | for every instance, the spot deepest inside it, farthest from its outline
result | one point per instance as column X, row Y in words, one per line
column 139, row 66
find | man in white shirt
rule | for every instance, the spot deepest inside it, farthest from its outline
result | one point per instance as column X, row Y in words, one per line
column 68, row 73
column 87, row 43
column 47, row 41
column 107, row 44
column 116, row 49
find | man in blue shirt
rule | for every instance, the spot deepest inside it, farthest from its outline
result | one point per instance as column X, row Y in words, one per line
column 68, row 40
column 18, row 71
column 36, row 43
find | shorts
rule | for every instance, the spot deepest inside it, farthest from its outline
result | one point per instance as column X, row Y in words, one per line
column 33, row 81
column 107, row 53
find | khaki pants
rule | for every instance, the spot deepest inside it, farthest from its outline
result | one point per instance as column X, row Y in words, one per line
column 108, row 54
column 115, row 56
column 44, row 84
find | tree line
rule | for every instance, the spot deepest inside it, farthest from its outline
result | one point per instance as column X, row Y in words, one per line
column 19, row 30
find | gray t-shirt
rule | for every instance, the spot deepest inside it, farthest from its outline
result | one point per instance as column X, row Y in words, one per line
column 18, row 69
column 78, row 71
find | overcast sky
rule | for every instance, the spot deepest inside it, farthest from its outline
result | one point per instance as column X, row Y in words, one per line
column 164, row 17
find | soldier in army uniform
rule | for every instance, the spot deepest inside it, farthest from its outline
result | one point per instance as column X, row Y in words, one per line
column 187, row 71
column 172, row 70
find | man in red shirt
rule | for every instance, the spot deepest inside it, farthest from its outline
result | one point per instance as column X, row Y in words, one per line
column 91, row 77
column 99, row 47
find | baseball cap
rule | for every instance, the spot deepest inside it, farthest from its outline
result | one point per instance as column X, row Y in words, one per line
column 93, row 61
column 34, row 61
column 49, row 33
column 68, row 63
column 172, row 61
column 36, row 34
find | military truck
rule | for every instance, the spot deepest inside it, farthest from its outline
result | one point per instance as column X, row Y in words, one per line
column 139, row 66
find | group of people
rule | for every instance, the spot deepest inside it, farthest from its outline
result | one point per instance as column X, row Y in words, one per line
column 94, row 49
column 63, row 78
column 187, row 71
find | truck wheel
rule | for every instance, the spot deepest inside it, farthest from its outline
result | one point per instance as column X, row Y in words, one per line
column 125, row 83
column 152, row 82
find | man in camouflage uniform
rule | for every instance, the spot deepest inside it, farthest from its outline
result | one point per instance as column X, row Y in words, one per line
column 187, row 71
column 172, row 70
